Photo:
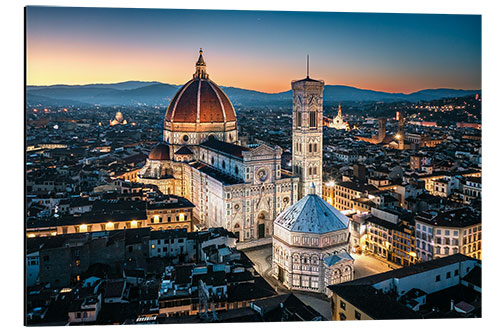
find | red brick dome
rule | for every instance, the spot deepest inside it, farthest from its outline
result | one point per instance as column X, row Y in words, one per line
column 160, row 153
column 200, row 100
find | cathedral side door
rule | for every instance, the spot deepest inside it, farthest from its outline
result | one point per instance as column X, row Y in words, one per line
column 262, row 230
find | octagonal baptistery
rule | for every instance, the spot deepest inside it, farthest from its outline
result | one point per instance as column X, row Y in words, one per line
column 198, row 110
column 311, row 245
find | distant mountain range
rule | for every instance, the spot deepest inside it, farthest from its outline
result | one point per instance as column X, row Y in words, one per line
column 157, row 93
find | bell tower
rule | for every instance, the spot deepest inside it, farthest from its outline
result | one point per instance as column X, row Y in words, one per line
column 307, row 130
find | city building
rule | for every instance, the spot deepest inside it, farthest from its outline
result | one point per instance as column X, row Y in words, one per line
column 449, row 287
column 349, row 193
column 441, row 233
column 166, row 212
column 390, row 235
column 472, row 189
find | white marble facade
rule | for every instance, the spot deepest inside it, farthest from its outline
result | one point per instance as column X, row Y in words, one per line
column 238, row 188
column 311, row 246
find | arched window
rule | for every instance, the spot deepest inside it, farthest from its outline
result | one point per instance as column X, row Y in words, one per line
column 312, row 119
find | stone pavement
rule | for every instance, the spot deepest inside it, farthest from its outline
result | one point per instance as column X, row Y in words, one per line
column 262, row 259
column 254, row 244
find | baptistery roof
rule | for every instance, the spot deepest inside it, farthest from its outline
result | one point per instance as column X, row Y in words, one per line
column 160, row 153
column 312, row 214
column 200, row 100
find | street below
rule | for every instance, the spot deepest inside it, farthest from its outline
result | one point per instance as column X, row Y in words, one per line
column 364, row 265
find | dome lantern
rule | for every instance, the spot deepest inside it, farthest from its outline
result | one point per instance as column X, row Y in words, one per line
column 201, row 68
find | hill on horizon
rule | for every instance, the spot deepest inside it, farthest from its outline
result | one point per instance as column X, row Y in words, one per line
column 130, row 93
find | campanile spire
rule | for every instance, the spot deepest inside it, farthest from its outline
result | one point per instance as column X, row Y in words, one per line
column 308, row 66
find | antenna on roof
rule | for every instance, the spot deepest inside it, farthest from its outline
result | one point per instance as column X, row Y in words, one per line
column 308, row 66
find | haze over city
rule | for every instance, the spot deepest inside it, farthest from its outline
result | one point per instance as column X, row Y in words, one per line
column 255, row 50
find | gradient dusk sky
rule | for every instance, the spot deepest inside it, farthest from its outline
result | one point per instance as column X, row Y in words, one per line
column 259, row 50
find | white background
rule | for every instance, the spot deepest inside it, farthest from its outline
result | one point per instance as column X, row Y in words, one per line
column 12, row 165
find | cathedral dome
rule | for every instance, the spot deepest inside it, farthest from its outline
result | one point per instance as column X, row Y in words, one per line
column 200, row 100
column 312, row 214
column 160, row 153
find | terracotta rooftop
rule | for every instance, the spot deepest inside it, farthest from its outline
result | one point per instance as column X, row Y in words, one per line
column 160, row 153
column 224, row 147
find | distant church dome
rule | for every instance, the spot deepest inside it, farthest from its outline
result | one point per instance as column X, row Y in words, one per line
column 118, row 119
column 160, row 153
column 200, row 100
column 312, row 214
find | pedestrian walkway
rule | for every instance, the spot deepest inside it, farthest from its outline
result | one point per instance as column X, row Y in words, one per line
column 390, row 264
column 255, row 243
